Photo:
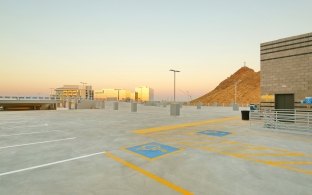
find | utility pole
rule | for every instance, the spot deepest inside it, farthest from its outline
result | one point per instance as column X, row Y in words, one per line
column 51, row 92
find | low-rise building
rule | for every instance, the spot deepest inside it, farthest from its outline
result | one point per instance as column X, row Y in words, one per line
column 78, row 92
column 113, row 94
column 144, row 94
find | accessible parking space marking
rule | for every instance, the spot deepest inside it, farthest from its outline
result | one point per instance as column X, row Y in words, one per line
column 34, row 143
column 216, row 143
column 215, row 133
column 152, row 150
column 149, row 174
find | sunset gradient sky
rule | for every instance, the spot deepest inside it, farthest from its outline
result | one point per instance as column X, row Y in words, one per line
column 130, row 43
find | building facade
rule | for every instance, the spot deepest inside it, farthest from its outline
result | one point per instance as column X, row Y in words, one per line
column 144, row 94
column 77, row 92
column 113, row 94
column 286, row 72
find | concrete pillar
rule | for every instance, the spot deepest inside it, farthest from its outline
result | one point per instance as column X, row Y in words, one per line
column 174, row 109
column 134, row 107
column 115, row 105
column 235, row 107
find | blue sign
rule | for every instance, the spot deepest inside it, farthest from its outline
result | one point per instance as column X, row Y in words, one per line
column 152, row 150
column 307, row 100
column 215, row 133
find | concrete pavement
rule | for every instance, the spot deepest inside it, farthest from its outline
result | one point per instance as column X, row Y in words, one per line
column 206, row 151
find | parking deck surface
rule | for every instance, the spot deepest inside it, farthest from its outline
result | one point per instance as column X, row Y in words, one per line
column 103, row 151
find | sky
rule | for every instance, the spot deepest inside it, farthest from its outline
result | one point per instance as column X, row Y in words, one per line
column 130, row 43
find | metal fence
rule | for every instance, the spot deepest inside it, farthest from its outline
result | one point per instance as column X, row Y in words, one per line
column 28, row 98
column 299, row 120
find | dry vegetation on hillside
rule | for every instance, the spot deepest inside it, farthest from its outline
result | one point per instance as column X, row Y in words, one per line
column 248, row 89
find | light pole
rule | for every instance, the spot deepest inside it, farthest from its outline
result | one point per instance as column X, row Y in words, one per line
column 174, row 82
column 51, row 92
column 118, row 93
column 83, row 84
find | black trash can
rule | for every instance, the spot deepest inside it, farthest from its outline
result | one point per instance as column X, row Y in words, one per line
column 245, row 115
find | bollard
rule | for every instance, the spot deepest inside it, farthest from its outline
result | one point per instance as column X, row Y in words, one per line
column 174, row 109
column 115, row 105
column 134, row 107
column 103, row 105
column 198, row 106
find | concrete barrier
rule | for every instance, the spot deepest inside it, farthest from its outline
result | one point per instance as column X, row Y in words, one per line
column 134, row 107
column 174, row 109
column 115, row 105
column 235, row 107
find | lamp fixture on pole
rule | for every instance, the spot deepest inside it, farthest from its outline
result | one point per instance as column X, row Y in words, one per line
column 174, row 83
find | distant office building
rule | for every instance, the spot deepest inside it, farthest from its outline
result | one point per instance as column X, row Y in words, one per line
column 143, row 94
column 286, row 72
column 113, row 94
column 78, row 92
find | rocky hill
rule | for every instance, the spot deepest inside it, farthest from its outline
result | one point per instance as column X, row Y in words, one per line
column 248, row 89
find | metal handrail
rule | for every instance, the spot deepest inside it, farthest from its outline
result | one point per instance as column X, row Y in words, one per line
column 283, row 119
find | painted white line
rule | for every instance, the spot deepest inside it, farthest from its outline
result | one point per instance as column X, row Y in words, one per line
column 9, row 122
column 50, row 164
column 37, row 132
column 34, row 143
column 24, row 126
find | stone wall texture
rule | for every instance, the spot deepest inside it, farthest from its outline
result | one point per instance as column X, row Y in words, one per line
column 286, row 66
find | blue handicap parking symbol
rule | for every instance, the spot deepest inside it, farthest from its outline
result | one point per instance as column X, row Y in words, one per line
column 215, row 133
column 152, row 150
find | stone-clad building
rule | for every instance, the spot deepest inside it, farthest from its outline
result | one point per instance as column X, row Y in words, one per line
column 286, row 72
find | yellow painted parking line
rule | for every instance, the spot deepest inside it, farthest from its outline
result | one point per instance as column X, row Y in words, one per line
column 271, row 154
column 229, row 147
column 280, row 164
column 192, row 124
column 148, row 174
column 286, row 162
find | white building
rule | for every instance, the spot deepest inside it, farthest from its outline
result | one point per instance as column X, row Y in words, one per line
column 78, row 92
column 143, row 94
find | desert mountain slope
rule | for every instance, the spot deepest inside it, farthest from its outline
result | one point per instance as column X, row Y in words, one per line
column 248, row 89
